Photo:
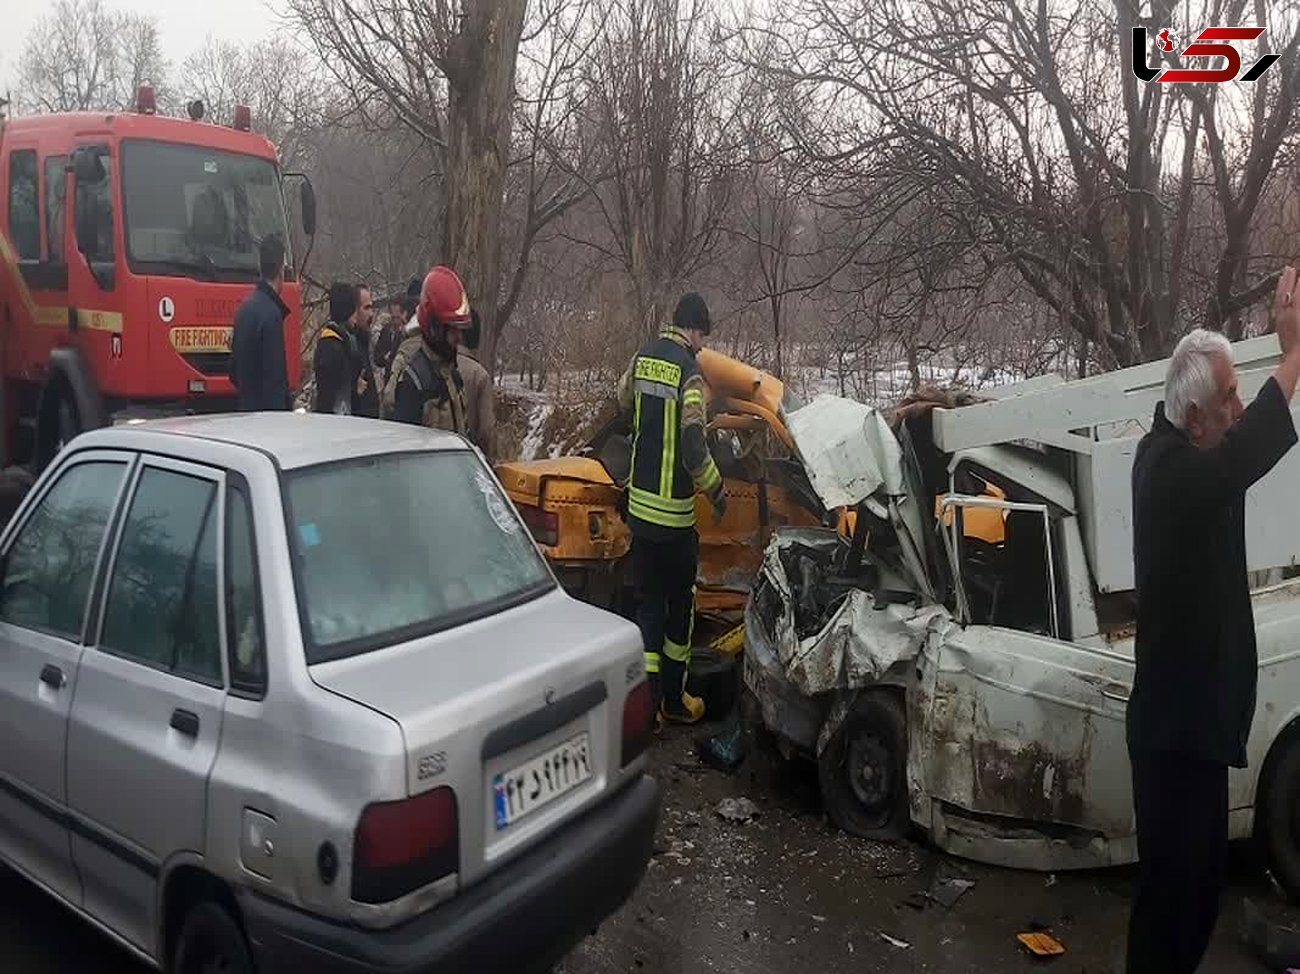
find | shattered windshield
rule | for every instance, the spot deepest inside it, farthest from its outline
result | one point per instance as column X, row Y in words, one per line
column 198, row 212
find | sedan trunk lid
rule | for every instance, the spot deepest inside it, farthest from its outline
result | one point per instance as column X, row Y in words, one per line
column 481, row 704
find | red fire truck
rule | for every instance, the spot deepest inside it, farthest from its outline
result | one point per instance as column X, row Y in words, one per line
column 128, row 242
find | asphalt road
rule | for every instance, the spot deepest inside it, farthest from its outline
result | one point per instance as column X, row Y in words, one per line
column 787, row 893
column 784, row 893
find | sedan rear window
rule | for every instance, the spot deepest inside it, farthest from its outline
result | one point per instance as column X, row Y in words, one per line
column 391, row 548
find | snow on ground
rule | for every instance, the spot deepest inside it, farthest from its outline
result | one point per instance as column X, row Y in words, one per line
column 882, row 387
column 533, row 446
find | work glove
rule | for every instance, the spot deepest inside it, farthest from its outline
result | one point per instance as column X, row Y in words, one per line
column 719, row 501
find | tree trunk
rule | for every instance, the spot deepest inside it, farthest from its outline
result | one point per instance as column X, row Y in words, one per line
column 480, row 73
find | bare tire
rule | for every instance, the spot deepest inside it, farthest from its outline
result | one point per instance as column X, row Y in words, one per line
column 863, row 770
column 713, row 678
column 1278, row 816
column 211, row 943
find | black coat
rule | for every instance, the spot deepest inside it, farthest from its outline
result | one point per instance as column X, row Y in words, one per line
column 341, row 359
column 258, row 368
column 1194, row 688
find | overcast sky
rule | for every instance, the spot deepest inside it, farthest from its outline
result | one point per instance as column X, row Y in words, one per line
column 183, row 24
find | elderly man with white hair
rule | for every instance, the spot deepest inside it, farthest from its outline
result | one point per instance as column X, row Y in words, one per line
column 1193, row 694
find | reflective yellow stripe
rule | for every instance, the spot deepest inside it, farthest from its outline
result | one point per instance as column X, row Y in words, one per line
column 693, row 397
column 676, row 651
column 652, row 662
column 668, row 459
column 710, row 477
column 661, row 518
column 667, row 505
column 658, row 370
column 636, row 436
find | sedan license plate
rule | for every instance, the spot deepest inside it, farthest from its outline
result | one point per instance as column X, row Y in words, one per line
column 541, row 780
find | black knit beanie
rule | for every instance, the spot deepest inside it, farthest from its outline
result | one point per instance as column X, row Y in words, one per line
column 692, row 312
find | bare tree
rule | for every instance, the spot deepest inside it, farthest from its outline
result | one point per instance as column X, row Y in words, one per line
column 284, row 89
column 553, row 171
column 663, row 144
column 82, row 57
column 446, row 71
column 1070, row 171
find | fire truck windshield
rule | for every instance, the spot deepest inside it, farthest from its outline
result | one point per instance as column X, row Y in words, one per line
column 198, row 212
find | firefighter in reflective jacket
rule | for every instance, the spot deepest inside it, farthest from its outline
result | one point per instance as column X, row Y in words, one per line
column 664, row 390
column 428, row 389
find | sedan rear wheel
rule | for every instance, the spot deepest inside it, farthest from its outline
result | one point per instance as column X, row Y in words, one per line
column 211, row 943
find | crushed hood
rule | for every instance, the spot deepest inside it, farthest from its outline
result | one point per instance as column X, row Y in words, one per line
column 858, row 641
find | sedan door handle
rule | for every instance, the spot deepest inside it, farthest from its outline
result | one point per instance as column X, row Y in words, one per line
column 185, row 722
column 53, row 677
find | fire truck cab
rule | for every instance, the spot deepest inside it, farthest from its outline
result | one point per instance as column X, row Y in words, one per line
column 129, row 241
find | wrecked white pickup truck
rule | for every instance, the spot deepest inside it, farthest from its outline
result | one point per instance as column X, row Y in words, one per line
column 977, row 690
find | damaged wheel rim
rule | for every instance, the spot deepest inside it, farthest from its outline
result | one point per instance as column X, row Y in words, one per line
column 870, row 772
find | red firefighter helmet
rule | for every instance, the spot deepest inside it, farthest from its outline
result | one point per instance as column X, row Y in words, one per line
column 443, row 300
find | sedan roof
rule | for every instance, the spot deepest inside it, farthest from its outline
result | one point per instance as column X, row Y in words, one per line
column 292, row 439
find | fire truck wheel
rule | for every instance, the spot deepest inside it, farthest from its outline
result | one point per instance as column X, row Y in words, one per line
column 863, row 770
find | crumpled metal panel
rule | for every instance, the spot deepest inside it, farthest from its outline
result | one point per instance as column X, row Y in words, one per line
column 857, row 643
column 848, row 450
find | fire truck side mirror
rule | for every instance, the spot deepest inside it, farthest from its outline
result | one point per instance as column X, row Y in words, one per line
column 87, row 233
column 87, row 166
column 308, row 200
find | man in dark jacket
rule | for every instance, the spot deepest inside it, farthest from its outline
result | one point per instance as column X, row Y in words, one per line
column 389, row 336
column 1193, row 696
column 258, row 368
column 336, row 354
column 365, row 395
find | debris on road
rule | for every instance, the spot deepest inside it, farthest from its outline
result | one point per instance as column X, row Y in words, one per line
column 947, row 892
column 894, row 941
column 917, row 900
column 1041, row 944
column 739, row 810
column 724, row 751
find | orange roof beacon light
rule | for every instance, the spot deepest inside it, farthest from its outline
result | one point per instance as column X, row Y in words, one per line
column 146, row 102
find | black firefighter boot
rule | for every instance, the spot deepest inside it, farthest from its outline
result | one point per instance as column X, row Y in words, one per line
column 657, row 700
column 678, row 705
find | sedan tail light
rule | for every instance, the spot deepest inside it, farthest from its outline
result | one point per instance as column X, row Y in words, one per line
column 544, row 525
column 403, row 845
column 638, row 722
